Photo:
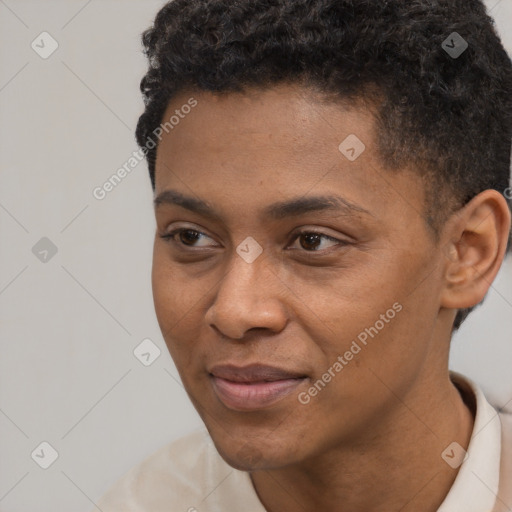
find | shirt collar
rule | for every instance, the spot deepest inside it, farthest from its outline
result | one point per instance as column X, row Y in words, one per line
column 476, row 486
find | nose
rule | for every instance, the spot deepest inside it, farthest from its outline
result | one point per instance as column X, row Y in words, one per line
column 250, row 296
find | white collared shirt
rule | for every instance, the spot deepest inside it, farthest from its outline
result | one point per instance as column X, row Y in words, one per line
column 476, row 485
column 188, row 475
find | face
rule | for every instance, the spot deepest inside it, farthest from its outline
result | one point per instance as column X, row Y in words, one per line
column 295, row 281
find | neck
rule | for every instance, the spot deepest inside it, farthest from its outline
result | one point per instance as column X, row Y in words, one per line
column 397, row 464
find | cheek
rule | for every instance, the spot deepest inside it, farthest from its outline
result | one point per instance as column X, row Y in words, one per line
column 174, row 293
column 337, row 306
column 180, row 301
column 164, row 295
column 370, row 317
column 173, row 302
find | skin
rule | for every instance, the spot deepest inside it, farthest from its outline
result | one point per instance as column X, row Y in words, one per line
column 372, row 438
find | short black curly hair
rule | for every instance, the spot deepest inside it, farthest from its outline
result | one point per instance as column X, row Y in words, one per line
column 450, row 116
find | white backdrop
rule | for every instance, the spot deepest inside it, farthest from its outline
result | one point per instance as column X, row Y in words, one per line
column 70, row 323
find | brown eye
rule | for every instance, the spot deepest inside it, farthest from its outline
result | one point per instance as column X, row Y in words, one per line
column 310, row 241
column 186, row 237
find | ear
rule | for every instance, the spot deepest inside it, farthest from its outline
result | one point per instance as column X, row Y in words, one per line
column 475, row 239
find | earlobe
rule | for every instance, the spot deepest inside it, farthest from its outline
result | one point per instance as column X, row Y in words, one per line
column 475, row 243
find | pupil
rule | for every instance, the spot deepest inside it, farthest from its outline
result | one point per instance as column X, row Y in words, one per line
column 311, row 239
column 188, row 238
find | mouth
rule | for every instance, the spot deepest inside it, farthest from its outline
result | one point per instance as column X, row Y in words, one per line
column 253, row 387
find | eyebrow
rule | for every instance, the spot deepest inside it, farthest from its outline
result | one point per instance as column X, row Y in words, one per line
column 276, row 211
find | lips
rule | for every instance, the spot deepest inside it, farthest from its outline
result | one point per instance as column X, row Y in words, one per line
column 254, row 386
column 253, row 373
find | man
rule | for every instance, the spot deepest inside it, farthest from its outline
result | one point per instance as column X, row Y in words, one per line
column 331, row 182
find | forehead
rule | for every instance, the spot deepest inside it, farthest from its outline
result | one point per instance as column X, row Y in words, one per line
column 284, row 113
column 262, row 146
column 277, row 129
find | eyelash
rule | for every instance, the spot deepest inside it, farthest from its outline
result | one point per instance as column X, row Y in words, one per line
column 170, row 238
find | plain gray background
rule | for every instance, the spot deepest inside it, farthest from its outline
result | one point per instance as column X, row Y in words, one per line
column 69, row 325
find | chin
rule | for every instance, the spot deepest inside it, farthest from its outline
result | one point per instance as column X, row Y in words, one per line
column 253, row 455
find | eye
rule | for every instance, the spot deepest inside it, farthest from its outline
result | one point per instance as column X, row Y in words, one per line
column 186, row 237
column 312, row 240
